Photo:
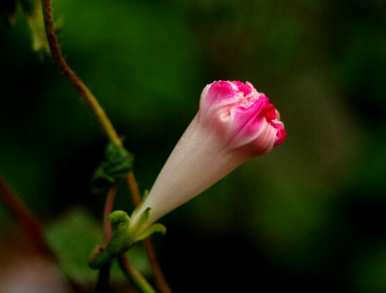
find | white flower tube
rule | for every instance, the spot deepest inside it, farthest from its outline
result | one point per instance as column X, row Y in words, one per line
column 234, row 123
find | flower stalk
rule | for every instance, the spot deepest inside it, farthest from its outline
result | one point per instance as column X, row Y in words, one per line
column 125, row 234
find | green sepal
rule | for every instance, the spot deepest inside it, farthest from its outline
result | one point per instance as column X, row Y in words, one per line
column 145, row 194
column 141, row 222
column 125, row 234
column 155, row 228
column 115, row 166
column 142, row 229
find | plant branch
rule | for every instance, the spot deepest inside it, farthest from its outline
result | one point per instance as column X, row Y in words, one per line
column 109, row 204
column 159, row 277
column 103, row 283
column 134, row 189
column 135, row 275
column 70, row 74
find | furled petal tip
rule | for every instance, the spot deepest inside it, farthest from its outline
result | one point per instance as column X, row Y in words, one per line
column 234, row 123
column 242, row 117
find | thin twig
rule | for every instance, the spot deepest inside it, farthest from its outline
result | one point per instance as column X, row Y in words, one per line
column 103, row 120
column 135, row 275
column 77, row 83
column 134, row 189
column 159, row 277
column 103, row 283
column 109, row 204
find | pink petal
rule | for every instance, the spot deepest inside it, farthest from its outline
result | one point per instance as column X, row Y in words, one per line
column 281, row 134
column 246, row 88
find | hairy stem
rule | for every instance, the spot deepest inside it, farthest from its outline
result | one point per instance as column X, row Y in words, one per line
column 77, row 83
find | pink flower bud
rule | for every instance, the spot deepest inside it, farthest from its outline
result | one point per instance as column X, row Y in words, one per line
column 234, row 123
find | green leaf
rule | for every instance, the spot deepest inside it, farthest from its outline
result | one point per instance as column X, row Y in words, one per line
column 72, row 237
column 115, row 166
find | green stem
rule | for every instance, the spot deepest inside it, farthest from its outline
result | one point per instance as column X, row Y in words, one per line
column 134, row 275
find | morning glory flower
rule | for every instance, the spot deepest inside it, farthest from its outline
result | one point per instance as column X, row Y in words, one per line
column 234, row 123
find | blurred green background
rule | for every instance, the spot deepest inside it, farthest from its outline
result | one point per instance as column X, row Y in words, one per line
column 310, row 216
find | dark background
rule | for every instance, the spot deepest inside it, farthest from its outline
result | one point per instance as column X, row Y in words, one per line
column 309, row 217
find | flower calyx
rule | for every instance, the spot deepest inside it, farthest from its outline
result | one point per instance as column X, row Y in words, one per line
column 125, row 234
